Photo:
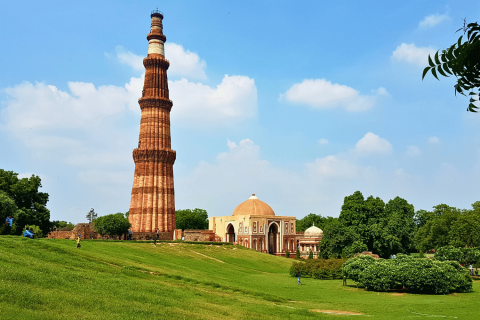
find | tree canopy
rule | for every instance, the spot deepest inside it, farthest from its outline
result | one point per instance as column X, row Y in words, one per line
column 462, row 59
column 307, row 221
column 369, row 224
column 30, row 203
column 112, row 224
column 191, row 219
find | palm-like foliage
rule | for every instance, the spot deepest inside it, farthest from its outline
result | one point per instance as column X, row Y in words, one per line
column 462, row 60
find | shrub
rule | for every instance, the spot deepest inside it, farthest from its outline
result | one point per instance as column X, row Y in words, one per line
column 464, row 256
column 310, row 255
column 413, row 275
column 287, row 254
column 353, row 267
column 37, row 232
column 318, row 268
column 297, row 254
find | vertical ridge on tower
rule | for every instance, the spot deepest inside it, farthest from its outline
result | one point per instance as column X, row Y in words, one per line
column 152, row 204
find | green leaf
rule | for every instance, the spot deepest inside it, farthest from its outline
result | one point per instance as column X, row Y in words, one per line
column 436, row 58
column 460, row 41
column 440, row 70
column 430, row 62
column 434, row 73
column 445, row 67
column 472, row 93
column 425, row 71
column 472, row 107
column 444, row 56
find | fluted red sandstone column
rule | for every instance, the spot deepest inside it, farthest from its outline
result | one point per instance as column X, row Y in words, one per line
column 153, row 200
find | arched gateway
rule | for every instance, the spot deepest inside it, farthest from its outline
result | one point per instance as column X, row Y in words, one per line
column 254, row 225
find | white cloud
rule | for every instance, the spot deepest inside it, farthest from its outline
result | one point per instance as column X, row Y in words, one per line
column 322, row 141
column 129, row 58
column 184, row 63
column 234, row 99
column 432, row 20
column 434, row 140
column 371, row 144
column 320, row 93
column 413, row 151
column 412, row 54
column 334, row 166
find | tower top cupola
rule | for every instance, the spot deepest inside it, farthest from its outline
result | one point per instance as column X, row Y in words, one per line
column 156, row 38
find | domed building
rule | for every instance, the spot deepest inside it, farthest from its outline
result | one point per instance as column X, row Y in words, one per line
column 309, row 241
column 254, row 225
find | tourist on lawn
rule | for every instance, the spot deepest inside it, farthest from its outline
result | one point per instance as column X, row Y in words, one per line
column 299, row 275
column 130, row 232
column 8, row 224
column 158, row 233
column 78, row 241
column 28, row 233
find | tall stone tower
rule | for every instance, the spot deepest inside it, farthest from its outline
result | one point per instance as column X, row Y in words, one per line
column 152, row 205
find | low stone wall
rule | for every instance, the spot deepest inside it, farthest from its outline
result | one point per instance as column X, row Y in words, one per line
column 200, row 235
column 368, row 253
column 149, row 236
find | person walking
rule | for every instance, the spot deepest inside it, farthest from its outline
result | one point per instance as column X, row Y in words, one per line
column 299, row 275
column 78, row 241
column 8, row 224
column 130, row 232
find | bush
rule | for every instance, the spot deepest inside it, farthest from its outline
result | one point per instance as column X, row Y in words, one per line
column 353, row 267
column 37, row 232
column 413, row 275
column 287, row 254
column 297, row 254
column 310, row 255
column 318, row 268
column 464, row 256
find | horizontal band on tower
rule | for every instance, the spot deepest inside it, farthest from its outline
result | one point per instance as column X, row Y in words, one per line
column 156, row 61
column 158, row 36
column 155, row 103
column 153, row 190
column 163, row 156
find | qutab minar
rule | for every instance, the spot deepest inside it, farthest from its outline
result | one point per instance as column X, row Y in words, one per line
column 152, row 205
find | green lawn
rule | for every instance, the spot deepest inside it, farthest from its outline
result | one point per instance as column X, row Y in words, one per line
column 51, row 279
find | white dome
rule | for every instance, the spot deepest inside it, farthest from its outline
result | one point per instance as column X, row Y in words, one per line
column 313, row 232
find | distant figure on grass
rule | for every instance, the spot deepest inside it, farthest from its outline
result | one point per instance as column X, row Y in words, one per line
column 78, row 241
column 8, row 224
column 28, row 233
column 130, row 232
column 344, row 281
column 299, row 275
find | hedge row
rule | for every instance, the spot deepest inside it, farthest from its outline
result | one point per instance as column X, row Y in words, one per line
column 405, row 272
column 318, row 268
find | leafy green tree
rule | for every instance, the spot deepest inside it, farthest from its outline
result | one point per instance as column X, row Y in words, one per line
column 310, row 255
column 287, row 254
column 464, row 256
column 191, row 219
column 7, row 208
column 30, row 202
column 307, row 221
column 112, row 224
column 62, row 225
column 462, row 59
column 297, row 254
column 396, row 229
column 465, row 231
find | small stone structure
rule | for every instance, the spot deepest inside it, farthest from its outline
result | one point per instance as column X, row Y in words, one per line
column 199, row 235
column 368, row 253
column 84, row 229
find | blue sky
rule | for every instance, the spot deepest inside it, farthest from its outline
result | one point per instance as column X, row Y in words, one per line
column 301, row 103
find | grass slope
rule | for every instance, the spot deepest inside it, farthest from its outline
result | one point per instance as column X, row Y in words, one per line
column 51, row 279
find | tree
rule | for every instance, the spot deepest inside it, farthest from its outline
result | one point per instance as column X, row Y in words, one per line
column 461, row 60
column 396, row 229
column 297, row 254
column 191, row 219
column 31, row 204
column 307, row 221
column 310, row 255
column 7, row 208
column 62, row 225
column 112, row 224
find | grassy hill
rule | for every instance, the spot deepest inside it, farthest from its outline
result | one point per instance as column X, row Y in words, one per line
column 51, row 279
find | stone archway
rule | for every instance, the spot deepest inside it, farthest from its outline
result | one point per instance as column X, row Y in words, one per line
column 230, row 233
column 272, row 238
